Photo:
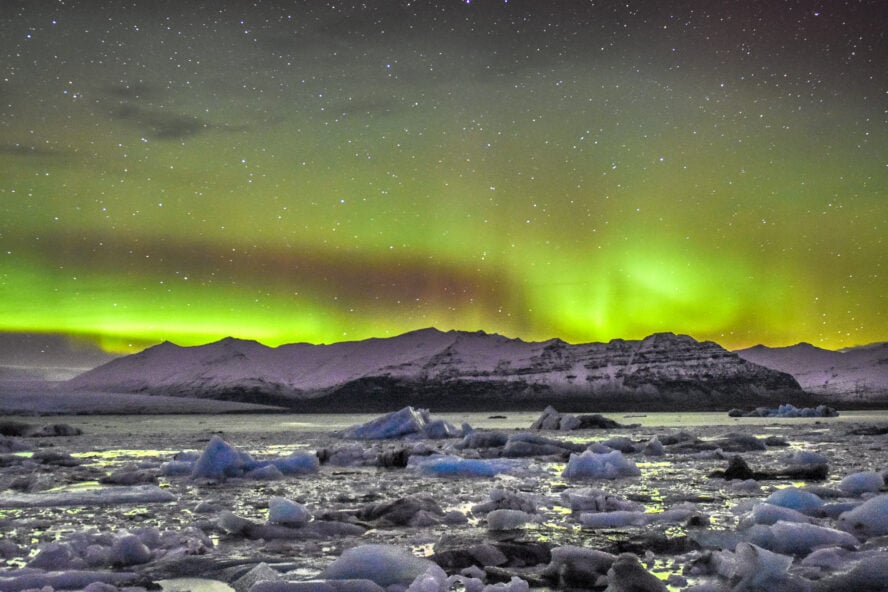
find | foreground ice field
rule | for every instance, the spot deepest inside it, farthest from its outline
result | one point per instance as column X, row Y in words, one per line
column 412, row 502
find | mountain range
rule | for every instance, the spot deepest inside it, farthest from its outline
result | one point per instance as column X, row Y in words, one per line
column 854, row 375
column 454, row 370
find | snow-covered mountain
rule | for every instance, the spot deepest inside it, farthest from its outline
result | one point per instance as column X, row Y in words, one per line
column 452, row 370
column 857, row 374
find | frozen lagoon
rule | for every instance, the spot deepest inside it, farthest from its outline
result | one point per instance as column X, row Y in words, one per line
column 679, row 520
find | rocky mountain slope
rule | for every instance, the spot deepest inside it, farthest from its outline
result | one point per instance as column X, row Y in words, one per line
column 853, row 375
column 453, row 370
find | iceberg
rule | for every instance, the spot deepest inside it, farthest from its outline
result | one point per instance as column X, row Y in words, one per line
column 129, row 550
column 443, row 465
column 796, row 538
column 769, row 514
column 592, row 465
column 616, row 519
column 220, row 460
column 868, row 519
column 114, row 495
column 863, row 482
column 406, row 422
column 796, row 499
column 298, row 463
column 287, row 512
column 758, row 568
column 505, row 519
column 385, row 565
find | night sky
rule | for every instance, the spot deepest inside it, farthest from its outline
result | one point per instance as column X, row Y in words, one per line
column 326, row 171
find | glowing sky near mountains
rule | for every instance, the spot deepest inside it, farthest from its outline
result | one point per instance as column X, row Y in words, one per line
column 322, row 171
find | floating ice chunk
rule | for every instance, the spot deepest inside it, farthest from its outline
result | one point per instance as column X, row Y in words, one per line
column 596, row 500
column 317, row 586
column 502, row 499
column 678, row 513
column 55, row 557
column 348, row 456
column 432, row 580
column 797, row 538
column 506, row 519
column 267, row 472
column 287, row 512
column 787, row 410
column 474, row 572
column 392, row 425
column 441, row 465
column 484, row 440
column 750, row 485
column 653, row 447
column 524, row 445
column 592, row 465
column 621, row 443
column 129, row 550
column 515, row 584
column 176, row 468
column 795, row 498
column 768, row 514
column 465, row 582
column 864, row 482
column 66, row 580
column 806, row 457
column 759, row 569
column 628, row 575
column 618, row 519
column 137, row 494
column 406, row 422
column 870, row 574
column 298, row 463
column 832, row 558
column 385, row 565
column 9, row 444
column 231, row 522
column 868, row 519
column 439, row 429
column 550, row 419
column 568, row 423
column 578, row 567
column 219, row 460
column 262, row 572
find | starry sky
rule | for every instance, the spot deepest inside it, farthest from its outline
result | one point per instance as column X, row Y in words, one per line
column 324, row 171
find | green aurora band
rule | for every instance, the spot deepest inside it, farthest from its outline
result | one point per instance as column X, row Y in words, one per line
column 196, row 182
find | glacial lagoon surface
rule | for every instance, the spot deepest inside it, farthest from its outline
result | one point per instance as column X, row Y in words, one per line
column 124, row 500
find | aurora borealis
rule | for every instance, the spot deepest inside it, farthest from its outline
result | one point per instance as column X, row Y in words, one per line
column 323, row 171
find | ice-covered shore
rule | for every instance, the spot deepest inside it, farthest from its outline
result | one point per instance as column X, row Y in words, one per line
column 412, row 503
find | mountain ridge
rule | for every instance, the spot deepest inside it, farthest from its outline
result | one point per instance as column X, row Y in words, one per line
column 858, row 374
column 452, row 369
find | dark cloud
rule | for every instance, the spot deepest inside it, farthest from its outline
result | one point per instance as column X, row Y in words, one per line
column 368, row 106
column 161, row 125
column 356, row 279
column 135, row 91
column 16, row 149
column 49, row 350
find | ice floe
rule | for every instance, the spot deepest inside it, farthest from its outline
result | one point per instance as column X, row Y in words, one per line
column 96, row 496
column 868, row 519
column 442, row 465
column 406, row 422
column 593, row 465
